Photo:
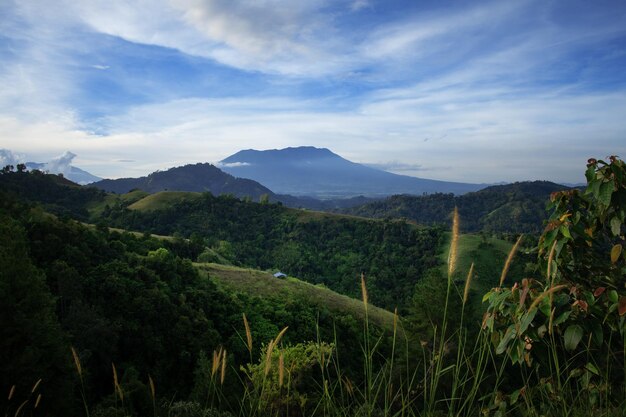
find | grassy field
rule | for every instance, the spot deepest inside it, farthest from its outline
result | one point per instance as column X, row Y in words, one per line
column 162, row 200
column 260, row 283
column 97, row 208
column 488, row 255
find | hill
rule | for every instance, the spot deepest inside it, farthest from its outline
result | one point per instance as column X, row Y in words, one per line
column 515, row 208
column 63, row 281
column 321, row 248
column 56, row 193
column 263, row 284
column 206, row 177
column 197, row 177
column 323, row 174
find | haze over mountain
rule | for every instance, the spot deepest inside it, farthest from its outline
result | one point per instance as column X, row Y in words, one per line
column 320, row 173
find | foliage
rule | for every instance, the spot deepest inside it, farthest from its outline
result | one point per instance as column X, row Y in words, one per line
column 56, row 194
column 32, row 345
column 569, row 327
column 282, row 378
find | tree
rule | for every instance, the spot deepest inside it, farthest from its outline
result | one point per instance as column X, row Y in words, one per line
column 32, row 345
column 575, row 317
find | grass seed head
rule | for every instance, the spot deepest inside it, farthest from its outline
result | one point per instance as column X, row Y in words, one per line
column 79, row 368
column 364, row 289
column 116, row 384
column 454, row 243
column 468, row 283
column 223, row 373
column 268, row 357
column 280, row 335
column 217, row 357
column 248, row 333
column 152, row 389
column 35, row 386
column 544, row 294
column 509, row 259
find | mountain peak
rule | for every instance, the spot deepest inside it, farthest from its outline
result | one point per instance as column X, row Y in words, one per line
column 291, row 154
column 318, row 172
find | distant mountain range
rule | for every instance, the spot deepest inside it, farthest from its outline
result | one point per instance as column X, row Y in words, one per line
column 320, row 173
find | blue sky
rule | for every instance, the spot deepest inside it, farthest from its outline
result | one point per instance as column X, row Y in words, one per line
column 481, row 91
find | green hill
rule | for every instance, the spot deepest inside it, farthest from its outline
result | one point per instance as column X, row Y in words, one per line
column 264, row 284
column 162, row 200
column 512, row 208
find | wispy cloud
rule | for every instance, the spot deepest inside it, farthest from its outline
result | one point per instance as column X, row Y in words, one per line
column 495, row 90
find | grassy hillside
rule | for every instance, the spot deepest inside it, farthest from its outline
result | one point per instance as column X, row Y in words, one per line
column 162, row 200
column 488, row 255
column 260, row 283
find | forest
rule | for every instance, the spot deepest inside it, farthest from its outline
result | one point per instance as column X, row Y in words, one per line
column 107, row 311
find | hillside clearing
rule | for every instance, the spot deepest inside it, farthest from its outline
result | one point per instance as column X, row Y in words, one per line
column 260, row 283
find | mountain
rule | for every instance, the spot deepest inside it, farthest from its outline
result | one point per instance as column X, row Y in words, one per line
column 207, row 177
column 74, row 174
column 320, row 173
column 518, row 207
column 198, row 177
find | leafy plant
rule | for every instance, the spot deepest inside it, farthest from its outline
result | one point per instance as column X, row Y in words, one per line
column 568, row 328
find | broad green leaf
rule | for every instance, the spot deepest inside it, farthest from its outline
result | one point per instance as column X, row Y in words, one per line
column 565, row 231
column 616, row 225
column 592, row 368
column 515, row 396
column 613, row 296
column 562, row 318
column 573, row 335
column 616, row 252
column 528, row 318
column 604, row 196
column 590, row 173
column 508, row 336
column 598, row 333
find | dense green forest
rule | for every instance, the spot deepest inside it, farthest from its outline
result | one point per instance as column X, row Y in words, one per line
column 322, row 249
column 513, row 208
column 319, row 248
column 132, row 300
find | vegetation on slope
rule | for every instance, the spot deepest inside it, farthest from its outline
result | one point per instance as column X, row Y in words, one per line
column 512, row 208
column 317, row 247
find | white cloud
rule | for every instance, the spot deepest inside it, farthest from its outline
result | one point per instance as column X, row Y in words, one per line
column 232, row 164
column 7, row 157
column 60, row 164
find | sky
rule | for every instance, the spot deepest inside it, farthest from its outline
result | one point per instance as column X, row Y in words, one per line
column 472, row 91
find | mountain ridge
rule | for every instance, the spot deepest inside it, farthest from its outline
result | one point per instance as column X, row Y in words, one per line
column 192, row 177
